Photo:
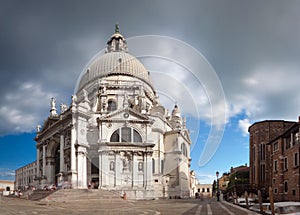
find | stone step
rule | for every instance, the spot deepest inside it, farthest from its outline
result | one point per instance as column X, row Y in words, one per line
column 73, row 195
column 39, row 194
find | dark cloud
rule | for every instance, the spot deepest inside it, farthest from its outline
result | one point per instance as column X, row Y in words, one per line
column 46, row 44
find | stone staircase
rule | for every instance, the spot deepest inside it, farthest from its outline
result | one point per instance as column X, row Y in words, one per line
column 38, row 194
column 67, row 195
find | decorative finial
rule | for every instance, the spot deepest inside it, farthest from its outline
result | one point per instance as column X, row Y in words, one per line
column 117, row 30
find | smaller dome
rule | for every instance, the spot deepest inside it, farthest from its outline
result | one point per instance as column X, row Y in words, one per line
column 176, row 111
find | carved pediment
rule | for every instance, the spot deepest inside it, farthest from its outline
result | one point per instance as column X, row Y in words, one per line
column 49, row 122
column 124, row 114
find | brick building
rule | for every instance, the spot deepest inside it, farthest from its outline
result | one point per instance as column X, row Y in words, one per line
column 223, row 181
column 261, row 133
column 285, row 169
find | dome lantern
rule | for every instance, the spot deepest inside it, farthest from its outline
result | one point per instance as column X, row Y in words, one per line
column 117, row 42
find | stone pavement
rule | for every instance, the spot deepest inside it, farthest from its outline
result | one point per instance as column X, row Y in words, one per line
column 14, row 206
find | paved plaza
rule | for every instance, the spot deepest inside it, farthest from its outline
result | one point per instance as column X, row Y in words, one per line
column 14, row 206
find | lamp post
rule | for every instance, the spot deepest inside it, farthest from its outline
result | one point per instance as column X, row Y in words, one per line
column 218, row 193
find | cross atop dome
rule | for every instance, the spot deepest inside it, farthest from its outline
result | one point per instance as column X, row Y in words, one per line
column 117, row 30
column 117, row 42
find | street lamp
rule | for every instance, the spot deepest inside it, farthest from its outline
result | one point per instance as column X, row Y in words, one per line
column 218, row 193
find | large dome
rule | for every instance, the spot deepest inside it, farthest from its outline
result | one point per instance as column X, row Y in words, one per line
column 115, row 61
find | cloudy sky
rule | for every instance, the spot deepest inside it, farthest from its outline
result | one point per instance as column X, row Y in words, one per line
column 252, row 46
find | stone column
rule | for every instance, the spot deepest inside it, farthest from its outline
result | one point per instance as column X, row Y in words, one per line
column 81, row 166
column 61, row 157
column 147, row 170
column 73, row 158
column 61, row 154
column 44, row 159
column 50, row 170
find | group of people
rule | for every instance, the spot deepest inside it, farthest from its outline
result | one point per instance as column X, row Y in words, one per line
column 51, row 187
column 18, row 193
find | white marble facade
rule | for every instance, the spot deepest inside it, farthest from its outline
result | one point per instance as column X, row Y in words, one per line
column 115, row 134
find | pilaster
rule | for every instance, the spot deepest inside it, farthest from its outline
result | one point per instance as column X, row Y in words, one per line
column 118, row 164
column 82, row 167
column 135, row 180
column 104, row 169
column 73, row 158
column 148, row 170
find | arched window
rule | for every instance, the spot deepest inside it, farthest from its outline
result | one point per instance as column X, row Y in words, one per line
column 115, row 137
column 127, row 135
column 136, row 137
column 111, row 106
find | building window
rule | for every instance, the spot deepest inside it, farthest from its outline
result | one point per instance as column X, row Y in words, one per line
column 126, row 134
column 275, row 165
column 275, row 146
column 112, row 166
column 111, row 106
column 153, row 165
column 183, row 149
column 275, row 190
column 203, row 190
column 262, row 172
column 162, row 166
column 285, row 163
column 287, row 144
column 285, row 186
column 296, row 159
column 262, row 151
column 294, row 192
column 207, row 190
column 293, row 139
column 198, row 190
column 140, row 166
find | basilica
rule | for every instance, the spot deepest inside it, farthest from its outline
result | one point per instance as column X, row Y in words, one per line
column 115, row 134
